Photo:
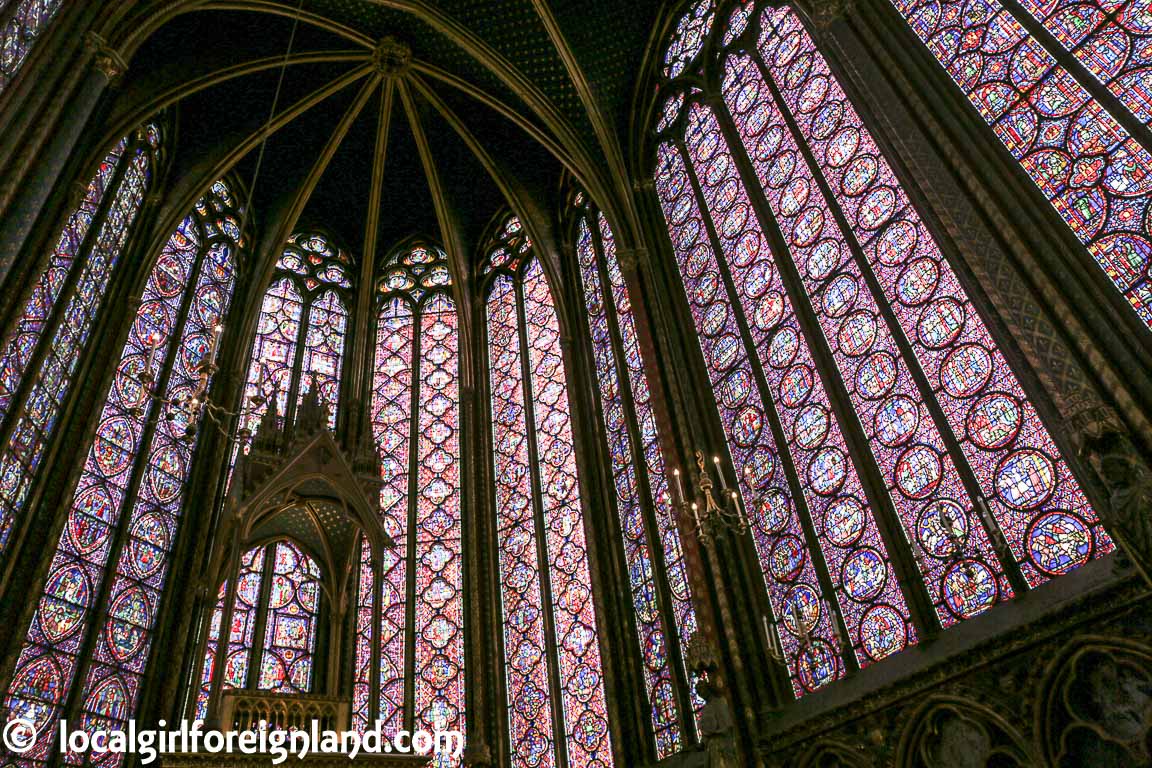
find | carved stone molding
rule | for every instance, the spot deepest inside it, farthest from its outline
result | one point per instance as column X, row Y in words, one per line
column 106, row 59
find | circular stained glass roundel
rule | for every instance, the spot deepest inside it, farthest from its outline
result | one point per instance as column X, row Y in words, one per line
column 840, row 295
column 1059, row 542
column 876, row 375
column 827, row 470
column 969, row 588
column 857, row 333
column 796, row 385
column 941, row 525
column 772, row 511
column 877, row 208
column 787, row 558
column 917, row 283
column 811, row 426
column 883, row 632
column 844, row 521
column 896, row 244
column 896, row 420
column 994, row 421
column 1025, row 479
column 746, row 430
column 822, row 259
column 783, row 347
column 941, row 323
column 735, row 388
column 918, row 472
column 966, row 370
column 769, row 310
column 864, row 574
column 724, row 352
column 826, row 120
column 816, row 665
column 803, row 601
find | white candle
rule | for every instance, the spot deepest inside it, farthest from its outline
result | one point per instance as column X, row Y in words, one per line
column 696, row 515
column 720, row 472
column 679, row 498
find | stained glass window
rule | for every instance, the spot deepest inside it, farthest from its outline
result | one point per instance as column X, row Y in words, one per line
column 416, row 425
column 362, row 683
column 650, row 537
column 241, row 621
column 556, row 708
column 278, row 588
column 1093, row 172
column 25, row 24
column 40, row 351
column 301, row 332
column 109, row 568
column 1110, row 39
column 286, row 663
column 811, row 279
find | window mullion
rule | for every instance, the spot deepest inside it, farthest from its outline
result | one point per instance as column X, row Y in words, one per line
column 256, row 659
column 1068, row 61
column 56, row 315
column 675, row 659
column 871, row 477
column 794, row 485
column 409, row 715
column 216, row 684
column 971, row 485
column 559, row 732
column 295, row 380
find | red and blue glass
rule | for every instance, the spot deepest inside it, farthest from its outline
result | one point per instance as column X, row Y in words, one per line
column 362, row 719
column 416, row 395
column 540, row 527
column 1096, row 176
column 24, row 27
column 92, row 260
column 287, row 661
column 623, row 385
column 1032, row 495
column 805, row 627
column 1112, row 39
column 186, row 294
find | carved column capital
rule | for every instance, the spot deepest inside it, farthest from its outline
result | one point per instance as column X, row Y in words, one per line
column 106, row 59
column 76, row 194
column 630, row 258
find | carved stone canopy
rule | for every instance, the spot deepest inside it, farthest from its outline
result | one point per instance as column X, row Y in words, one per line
column 311, row 493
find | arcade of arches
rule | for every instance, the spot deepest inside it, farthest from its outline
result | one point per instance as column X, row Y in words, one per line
column 688, row 383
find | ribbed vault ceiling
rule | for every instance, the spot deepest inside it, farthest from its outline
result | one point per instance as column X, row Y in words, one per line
column 500, row 98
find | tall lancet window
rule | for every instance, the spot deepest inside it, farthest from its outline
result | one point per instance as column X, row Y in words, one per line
column 888, row 452
column 416, row 424
column 89, row 640
column 661, row 597
column 553, row 672
column 301, row 331
column 1085, row 159
column 24, row 21
column 43, row 343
